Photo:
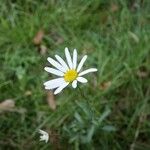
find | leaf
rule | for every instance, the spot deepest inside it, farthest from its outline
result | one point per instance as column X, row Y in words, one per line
column 105, row 85
column 78, row 117
column 90, row 133
column 84, row 108
column 51, row 100
column 74, row 138
column 38, row 37
column 109, row 128
column 104, row 115
column 8, row 104
column 134, row 37
column 20, row 72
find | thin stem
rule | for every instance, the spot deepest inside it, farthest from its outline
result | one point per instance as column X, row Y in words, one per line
column 86, row 99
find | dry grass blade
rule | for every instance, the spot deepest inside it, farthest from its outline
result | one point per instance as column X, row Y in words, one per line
column 114, row 7
column 38, row 37
column 51, row 100
column 105, row 85
column 142, row 72
column 8, row 104
column 28, row 93
column 43, row 49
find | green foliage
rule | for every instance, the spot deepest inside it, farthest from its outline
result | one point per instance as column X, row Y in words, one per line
column 86, row 124
column 115, row 36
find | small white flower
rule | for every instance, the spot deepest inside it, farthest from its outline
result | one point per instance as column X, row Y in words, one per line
column 68, row 72
column 44, row 136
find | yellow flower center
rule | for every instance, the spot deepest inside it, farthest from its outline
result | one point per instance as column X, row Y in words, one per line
column 70, row 75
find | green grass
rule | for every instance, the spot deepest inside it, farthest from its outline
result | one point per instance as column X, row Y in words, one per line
column 117, row 43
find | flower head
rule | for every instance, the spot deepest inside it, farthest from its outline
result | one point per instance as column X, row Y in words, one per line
column 68, row 72
column 44, row 136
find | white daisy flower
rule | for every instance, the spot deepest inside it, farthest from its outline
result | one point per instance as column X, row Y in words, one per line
column 68, row 72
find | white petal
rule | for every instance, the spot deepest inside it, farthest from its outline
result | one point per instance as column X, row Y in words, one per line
column 62, row 62
column 59, row 89
column 74, row 59
column 82, row 80
column 68, row 57
column 48, row 88
column 87, row 71
column 52, row 84
column 56, row 64
column 54, row 71
column 81, row 63
column 74, row 84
